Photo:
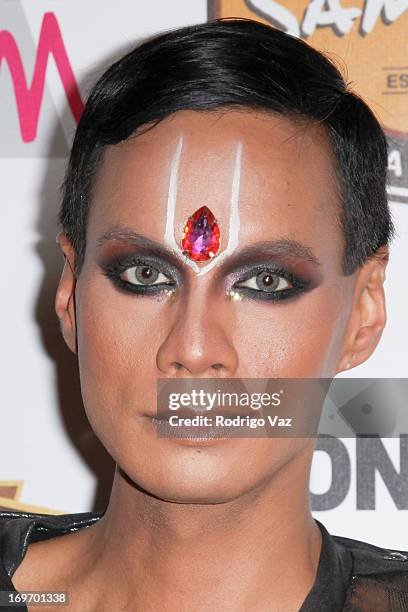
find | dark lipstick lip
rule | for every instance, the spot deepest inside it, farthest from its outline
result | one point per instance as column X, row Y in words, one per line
column 207, row 413
column 199, row 436
column 183, row 435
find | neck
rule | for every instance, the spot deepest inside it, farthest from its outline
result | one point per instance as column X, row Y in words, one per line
column 260, row 547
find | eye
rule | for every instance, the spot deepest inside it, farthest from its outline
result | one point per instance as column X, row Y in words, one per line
column 266, row 282
column 144, row 275
column 132, row 273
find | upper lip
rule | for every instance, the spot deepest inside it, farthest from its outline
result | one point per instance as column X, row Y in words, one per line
column 189, row 413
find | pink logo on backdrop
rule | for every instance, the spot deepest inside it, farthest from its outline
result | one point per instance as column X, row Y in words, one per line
column 29, row 97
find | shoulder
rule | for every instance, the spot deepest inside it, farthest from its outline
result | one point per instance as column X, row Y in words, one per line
column 11, row 519
column 379, row 576
column 32, row 526
column 370, row 559
column 19, row 529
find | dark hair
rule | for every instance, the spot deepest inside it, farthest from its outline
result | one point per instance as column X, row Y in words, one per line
column 229, row 63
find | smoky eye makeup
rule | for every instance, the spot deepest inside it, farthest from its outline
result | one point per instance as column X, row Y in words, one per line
column 273, row 282
column 139, row 274
column 148, row 274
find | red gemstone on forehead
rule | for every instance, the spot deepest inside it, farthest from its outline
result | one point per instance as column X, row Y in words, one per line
column 200, row 239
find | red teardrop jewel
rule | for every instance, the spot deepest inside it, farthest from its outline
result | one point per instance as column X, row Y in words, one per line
column 200, row 239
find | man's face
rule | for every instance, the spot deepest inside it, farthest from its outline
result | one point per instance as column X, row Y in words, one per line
column 223, row 322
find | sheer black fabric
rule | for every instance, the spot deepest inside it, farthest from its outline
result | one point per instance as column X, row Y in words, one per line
column 352, row 576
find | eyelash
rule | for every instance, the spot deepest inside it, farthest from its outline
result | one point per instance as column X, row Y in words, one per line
column 297, row 285
column 115, row 270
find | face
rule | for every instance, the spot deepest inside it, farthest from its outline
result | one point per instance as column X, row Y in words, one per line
column 272, row 303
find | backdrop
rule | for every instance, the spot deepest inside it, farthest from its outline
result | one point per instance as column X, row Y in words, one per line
column 50, row 53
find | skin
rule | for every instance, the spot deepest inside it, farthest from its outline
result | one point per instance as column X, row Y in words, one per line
column 181, row 513
column 233, row 221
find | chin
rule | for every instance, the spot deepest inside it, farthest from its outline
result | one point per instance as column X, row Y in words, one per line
column 194, row 493
column 192, row 479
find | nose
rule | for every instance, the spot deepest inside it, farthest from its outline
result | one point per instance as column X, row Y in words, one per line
column 199, row 342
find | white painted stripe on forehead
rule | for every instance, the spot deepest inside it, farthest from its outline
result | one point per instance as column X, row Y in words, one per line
column 171, row 205
column 234, row 220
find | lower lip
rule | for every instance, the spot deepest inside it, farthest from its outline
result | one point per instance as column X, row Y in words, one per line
column 188, row 440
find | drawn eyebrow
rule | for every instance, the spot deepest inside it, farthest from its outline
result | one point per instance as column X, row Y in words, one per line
column 275, row 248
column 129, row 236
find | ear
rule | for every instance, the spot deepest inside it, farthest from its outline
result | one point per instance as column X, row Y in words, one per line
column 65, row 296
column 368, row 315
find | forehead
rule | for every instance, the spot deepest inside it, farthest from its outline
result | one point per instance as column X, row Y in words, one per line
column 287, row 179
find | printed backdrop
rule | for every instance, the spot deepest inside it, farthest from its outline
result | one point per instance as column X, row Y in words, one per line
column 50, row 52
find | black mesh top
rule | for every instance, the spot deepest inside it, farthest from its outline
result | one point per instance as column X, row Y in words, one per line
column 351, row 575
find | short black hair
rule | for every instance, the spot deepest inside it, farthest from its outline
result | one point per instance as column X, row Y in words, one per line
column 235, row 63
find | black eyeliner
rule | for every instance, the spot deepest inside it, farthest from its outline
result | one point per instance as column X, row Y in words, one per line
column 270, row 296
column 113, row 268
column 298, row 285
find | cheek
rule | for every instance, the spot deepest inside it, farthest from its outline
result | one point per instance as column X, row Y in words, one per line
column 292, row 339
column 116, row 350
